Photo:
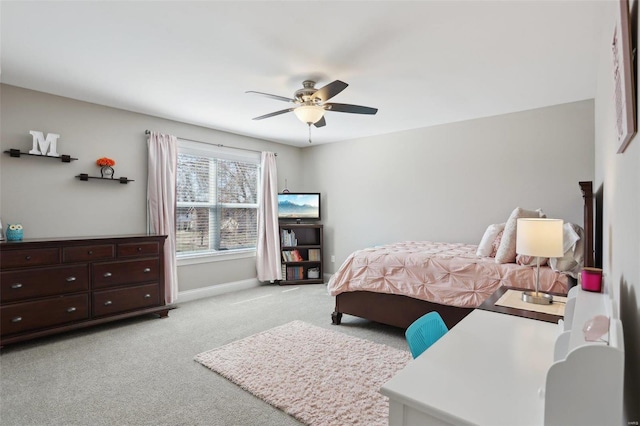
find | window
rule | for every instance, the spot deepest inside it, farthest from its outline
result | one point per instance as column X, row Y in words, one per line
column 217, row 199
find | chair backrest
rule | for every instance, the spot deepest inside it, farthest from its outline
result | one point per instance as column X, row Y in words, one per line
column 424, row 332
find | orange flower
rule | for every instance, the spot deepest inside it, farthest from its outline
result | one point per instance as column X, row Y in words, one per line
column 105, row 161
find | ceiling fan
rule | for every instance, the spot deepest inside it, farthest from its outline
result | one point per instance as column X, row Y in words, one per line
column 311, row 103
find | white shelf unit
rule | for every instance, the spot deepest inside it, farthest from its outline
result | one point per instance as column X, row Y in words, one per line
column 585, row 383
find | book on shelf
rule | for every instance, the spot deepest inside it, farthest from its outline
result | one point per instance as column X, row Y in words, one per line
column 295, row 273
column 288, row 238
column 314, row 254
column 297, row 257
column 292, row 256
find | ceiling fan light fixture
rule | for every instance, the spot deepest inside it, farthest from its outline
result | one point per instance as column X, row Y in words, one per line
column 309, row 114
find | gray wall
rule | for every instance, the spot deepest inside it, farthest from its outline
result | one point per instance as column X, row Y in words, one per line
column 618, row 185
column 444, row 183
column 447, row 183
column 49, row 201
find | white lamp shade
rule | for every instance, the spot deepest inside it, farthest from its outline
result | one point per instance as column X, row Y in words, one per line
column 539, row 237
column 309, row 113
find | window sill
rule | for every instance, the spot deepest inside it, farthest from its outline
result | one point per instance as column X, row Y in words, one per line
column 215, row 257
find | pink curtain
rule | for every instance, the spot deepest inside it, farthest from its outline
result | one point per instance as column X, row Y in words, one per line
column 268, row 250
column 161, row 203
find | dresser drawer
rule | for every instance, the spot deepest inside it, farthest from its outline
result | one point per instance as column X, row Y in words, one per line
column 32, row 283
column 109, row 274
column 88, row 253
column 151, row 248
column 20, row 317
column 109, row 302
column 27, row 258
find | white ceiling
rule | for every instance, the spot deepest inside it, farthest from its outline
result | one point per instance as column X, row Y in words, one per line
column 422, row 63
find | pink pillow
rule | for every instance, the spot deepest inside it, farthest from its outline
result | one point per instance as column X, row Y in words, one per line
column 496, row 244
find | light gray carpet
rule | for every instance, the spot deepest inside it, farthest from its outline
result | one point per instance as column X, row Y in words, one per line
column 141, row 371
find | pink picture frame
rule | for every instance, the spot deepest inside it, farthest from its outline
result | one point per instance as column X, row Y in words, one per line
column 624, row 90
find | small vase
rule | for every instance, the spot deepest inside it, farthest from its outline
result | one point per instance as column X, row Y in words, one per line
column 106, row 172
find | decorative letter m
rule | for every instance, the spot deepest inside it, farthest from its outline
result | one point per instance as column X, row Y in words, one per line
column 49, row 143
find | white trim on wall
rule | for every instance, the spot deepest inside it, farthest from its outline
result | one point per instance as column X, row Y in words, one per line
column 216, row 290
column 216, row 257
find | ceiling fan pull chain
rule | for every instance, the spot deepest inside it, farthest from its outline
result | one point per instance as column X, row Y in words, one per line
column 309, row 132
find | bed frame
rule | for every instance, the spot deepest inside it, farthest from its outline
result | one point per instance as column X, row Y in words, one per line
column 401, row 311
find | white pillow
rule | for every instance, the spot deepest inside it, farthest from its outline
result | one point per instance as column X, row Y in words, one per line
column 571, row 234
column 573, row 259
column 507, row 250
column 485, row 246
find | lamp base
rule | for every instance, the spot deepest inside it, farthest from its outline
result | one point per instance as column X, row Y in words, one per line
column 537, row 298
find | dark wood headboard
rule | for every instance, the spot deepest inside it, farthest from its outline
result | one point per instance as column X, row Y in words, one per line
column 587, row 194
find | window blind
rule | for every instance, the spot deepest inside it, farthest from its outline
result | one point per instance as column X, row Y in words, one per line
column 217, row 199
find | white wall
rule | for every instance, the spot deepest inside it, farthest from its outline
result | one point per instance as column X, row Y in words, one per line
column 618, row 181
column 447, row 183
column 49, row 201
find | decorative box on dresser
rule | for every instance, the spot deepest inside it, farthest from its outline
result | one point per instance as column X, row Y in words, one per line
column 53, row 285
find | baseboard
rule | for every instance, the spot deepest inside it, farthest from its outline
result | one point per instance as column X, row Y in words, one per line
column 215, row 290
column 326, row 277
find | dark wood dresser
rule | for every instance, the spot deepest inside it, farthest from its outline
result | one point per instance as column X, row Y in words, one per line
column 55, row 285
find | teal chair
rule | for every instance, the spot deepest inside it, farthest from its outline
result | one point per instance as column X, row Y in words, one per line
column 424, row 332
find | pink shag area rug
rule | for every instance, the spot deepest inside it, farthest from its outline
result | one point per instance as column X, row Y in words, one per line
column 318, row 376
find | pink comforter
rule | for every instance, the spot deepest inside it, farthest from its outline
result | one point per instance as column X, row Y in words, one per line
column 445, row 273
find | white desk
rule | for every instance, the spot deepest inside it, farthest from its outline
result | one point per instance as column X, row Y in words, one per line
column 487, row 370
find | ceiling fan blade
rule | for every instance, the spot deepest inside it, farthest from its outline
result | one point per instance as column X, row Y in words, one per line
column 268, row 95
column 320, row 123
column 329, row 91
column 273, row 114
column 354, row 109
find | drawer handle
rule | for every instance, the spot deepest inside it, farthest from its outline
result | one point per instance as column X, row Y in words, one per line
column 146, row 270
column 108, row 302
column 107, row 274
column 72, row 309
column 147, row 296
column 16, row 285
column 27, row 257
column 139, row 248
column 90, row 252
column 16, row 319
column 71, row 279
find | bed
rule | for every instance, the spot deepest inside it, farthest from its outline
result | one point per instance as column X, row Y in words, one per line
column 397, row 283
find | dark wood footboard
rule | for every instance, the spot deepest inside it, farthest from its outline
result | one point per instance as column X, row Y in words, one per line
column 392, row 309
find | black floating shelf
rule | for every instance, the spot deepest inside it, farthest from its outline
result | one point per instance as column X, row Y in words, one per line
column 84, row 176
column 17, row 153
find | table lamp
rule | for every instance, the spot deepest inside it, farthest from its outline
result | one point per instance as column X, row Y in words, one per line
column 539, row 238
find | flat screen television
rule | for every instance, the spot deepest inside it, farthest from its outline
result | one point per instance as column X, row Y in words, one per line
column 299, row 206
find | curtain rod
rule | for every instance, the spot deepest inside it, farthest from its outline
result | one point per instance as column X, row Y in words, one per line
column 148, row 132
